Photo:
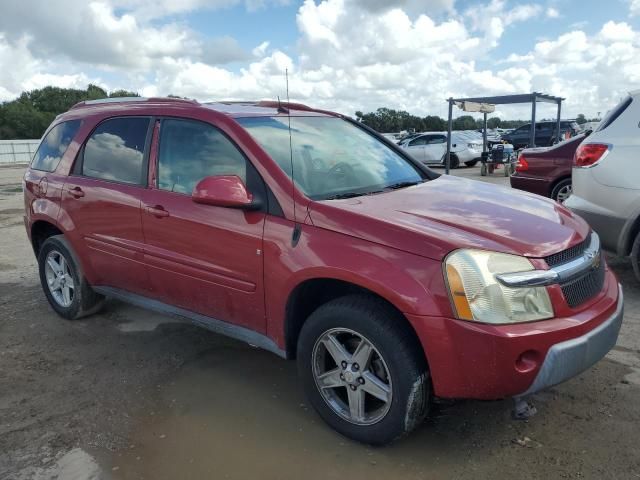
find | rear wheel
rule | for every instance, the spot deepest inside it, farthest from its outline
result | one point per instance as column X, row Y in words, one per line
column 562, row 190
column 62, row 280
column 453, row 162
column 635, row 256
column 363, row 369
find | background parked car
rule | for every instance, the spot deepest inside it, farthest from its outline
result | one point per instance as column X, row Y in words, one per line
column 545, row 133
column 430, row 148
column 606, row 180
column 547, row 170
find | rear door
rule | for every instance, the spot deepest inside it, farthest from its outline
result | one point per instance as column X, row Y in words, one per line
column 203, row 258
column 415, row 147
column 102, row 201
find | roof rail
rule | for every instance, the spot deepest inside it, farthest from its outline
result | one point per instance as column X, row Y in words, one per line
column 102, row 101
column 289, row 105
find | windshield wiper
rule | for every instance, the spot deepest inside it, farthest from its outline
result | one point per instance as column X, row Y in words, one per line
column 342, row 196
column 396, row 186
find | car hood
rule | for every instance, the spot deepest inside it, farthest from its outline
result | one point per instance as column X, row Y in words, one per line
column 441, row 215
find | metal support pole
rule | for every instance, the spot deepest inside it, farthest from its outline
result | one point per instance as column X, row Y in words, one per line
column 532, row 131
column 484, row 134
column 558, row 122
column 448, row 159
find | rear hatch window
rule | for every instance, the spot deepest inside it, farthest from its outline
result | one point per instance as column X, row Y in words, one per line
column 614, row 114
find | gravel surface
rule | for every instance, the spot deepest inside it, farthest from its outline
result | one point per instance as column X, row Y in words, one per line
column 131, row 394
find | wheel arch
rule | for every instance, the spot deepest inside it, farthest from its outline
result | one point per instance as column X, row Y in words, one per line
column 40, row 231
column 311, row 293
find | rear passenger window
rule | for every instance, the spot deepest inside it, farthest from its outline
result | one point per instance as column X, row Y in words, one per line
column 54, row 145
column 190, row 151
column 115, row 150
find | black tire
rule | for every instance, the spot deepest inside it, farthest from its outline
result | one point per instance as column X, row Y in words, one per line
column 84, row 300
column 397, row 344
column 560, row 187
column 471, row 163
column 635, row 256
column 453, row 162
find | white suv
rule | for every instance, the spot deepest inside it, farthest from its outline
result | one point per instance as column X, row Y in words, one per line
column 606, row 180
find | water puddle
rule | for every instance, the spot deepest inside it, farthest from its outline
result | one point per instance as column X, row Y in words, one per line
column 240, row 414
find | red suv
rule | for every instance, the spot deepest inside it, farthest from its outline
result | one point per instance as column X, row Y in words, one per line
column 390, row 284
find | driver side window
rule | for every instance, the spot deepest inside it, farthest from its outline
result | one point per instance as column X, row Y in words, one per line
column 191, row 150
column 418, row 141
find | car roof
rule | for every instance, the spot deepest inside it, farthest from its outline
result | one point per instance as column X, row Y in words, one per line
column 234, row 109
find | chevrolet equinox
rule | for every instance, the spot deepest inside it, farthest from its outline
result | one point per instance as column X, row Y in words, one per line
column 305, row 233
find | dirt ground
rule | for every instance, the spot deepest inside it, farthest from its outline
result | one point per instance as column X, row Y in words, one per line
column 129, row 394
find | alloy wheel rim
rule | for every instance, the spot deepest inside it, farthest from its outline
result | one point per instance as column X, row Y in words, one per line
column 564, row 193
column 351, row 376
column 59, row 279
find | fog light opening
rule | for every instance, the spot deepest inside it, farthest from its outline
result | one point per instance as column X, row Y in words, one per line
column 528, row 361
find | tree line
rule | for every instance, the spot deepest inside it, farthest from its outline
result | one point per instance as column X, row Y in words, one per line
column 32, row 112
column 29, row 115
column 386, row 120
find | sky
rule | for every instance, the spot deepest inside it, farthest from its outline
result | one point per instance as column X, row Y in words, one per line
column 343, row 55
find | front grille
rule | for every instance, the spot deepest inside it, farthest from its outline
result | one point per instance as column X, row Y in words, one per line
column 582, row 289
column 568, row 254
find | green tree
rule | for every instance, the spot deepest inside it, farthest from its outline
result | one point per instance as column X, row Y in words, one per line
column 32, row 112
column 580, row 119
column 123, row 93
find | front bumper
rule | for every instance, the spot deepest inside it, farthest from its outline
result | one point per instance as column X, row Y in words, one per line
column 567, row 359
column 488, row 362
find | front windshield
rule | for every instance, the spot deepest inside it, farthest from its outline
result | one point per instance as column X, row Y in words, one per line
column 331, row 157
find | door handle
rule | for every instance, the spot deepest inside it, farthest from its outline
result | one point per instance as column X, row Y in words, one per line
column 157, row 211
column 76, row 192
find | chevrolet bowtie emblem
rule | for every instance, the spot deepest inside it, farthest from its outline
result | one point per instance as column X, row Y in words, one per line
column 593, row 257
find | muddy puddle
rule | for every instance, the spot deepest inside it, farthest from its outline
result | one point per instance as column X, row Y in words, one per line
column 239, row 413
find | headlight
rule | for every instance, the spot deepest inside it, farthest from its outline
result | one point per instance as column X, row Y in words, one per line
column 477, row 295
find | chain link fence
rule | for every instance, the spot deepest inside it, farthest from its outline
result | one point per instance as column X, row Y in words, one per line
column 17, row 151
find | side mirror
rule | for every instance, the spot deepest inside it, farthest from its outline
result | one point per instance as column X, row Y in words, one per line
column 224, row 191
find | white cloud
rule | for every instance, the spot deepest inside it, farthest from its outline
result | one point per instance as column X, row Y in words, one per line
column 634, row 8
column 552, row 12
column 350, row 55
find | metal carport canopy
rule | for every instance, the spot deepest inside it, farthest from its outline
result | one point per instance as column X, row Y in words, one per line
column 532, row 98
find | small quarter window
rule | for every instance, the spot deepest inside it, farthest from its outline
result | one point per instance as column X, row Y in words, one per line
column 190, row 151
column 115, row 150
column 54, row 145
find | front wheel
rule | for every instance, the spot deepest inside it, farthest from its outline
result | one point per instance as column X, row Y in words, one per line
column 363, row 369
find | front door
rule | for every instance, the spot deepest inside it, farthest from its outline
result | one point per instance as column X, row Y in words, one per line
column 415, row 148
column 202, row 258
column 102, row 201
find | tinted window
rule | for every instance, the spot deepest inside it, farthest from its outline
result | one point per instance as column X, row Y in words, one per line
column 115, row 150
column 435, row 139
column 191, row 151
column 54, row 145
column 331, row 157
column 418, row 141
column 615, row 113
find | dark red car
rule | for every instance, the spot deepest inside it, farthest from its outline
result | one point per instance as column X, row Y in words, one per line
column 305, row 233
column 547, row 170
